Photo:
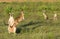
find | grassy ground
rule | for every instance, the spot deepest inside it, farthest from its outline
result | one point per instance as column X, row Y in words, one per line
column 34, row 26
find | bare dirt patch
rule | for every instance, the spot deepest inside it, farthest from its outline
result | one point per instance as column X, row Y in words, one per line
column 29, row 0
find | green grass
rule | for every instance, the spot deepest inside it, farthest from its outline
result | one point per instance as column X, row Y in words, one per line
column 34, row 26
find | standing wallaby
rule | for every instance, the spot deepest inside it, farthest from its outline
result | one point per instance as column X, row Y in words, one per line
column 19, row 18
column 55, row 16
column 45, row 16
column 12, row 28
column 11, row 19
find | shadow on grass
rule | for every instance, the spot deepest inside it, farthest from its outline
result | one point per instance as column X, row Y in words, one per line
column 23, row 27
column 30, row 23
column 18, row 30
column 35, row 25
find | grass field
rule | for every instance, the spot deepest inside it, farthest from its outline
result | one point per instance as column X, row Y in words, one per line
column 34, row 26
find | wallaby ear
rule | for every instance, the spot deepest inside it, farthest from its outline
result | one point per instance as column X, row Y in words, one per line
column 55, row 12
column 12, row 13
column 9, row 13
column 44, row 11
column 21, row 9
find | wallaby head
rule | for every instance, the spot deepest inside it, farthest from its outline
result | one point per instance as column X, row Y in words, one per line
column 44, row 11
column 54, row 11
column 45, row 15
column 22, row 14
column 11, row 14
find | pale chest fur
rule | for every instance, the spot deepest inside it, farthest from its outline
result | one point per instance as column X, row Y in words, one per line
column 11, row 21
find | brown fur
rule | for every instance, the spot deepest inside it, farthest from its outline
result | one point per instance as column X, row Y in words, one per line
column 11, row 26
column 12, row 29
column 19, row 19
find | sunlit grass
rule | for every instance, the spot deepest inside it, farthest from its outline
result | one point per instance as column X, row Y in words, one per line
column 34, row 26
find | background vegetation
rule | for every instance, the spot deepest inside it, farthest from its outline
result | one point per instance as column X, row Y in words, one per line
column 34, row 26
